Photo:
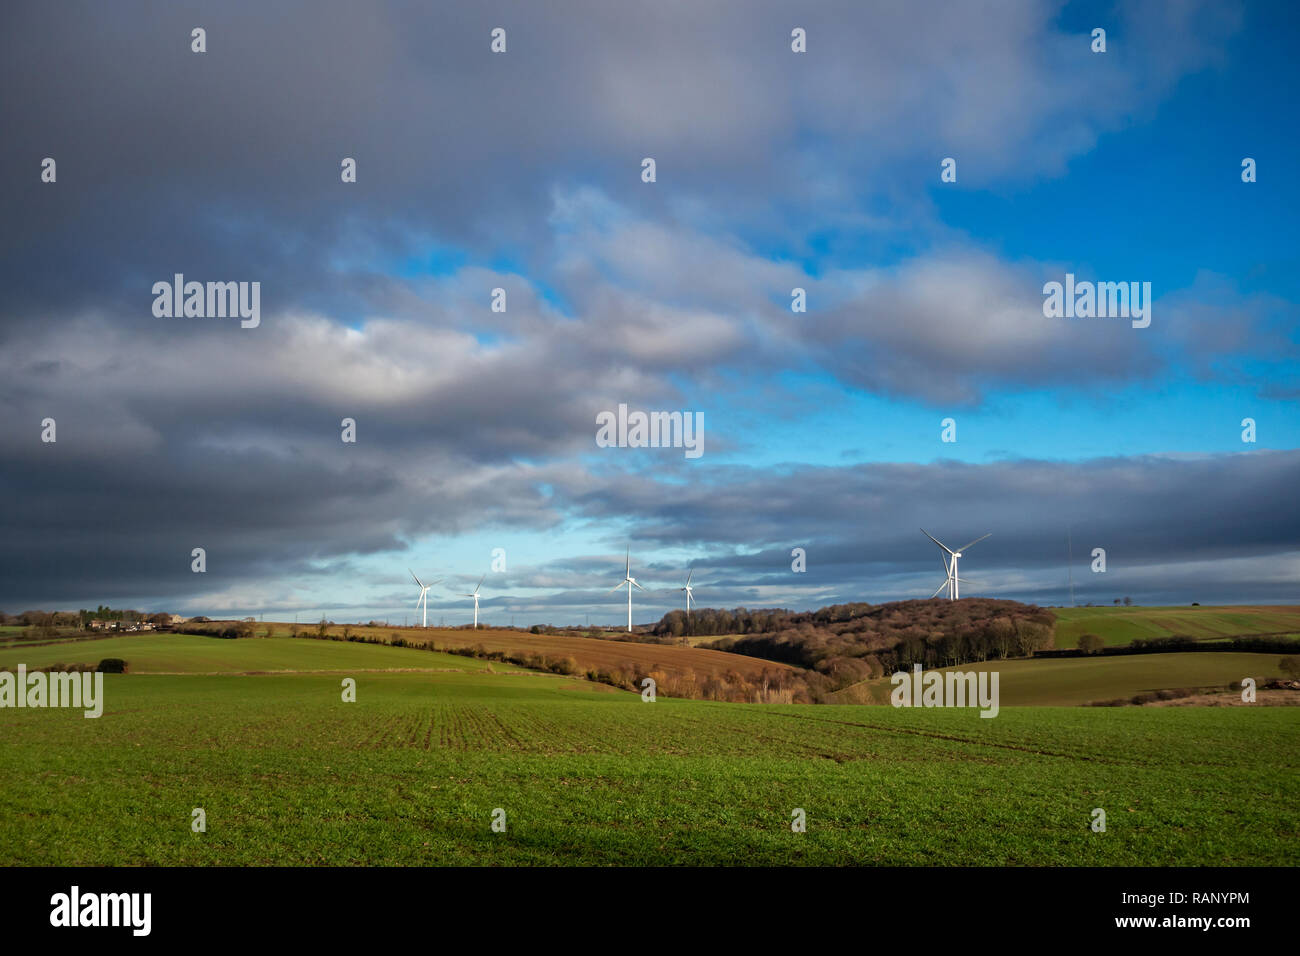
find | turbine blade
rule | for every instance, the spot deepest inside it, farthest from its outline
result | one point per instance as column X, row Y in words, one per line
column 936, row 541
column 938, row 589
column 480, row 582
column 417, row 580
column 616, row 587
column 975, row 542
column 628, row 572
column 689, row 576
column 638, row 587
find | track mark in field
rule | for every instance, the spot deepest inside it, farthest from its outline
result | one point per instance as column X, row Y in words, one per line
column 452, row 736
column 442, row 727
column 471, row 734
column 492, row 733
column 1021, row 748
column 550, row 735
column 508, row 732
column 456, row 728
column 381, row 733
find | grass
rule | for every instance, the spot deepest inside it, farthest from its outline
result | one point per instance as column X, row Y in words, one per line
column 186, row 653
column 22, row 632
column 410, row 774
column 1072, row 681
column 1122, row 625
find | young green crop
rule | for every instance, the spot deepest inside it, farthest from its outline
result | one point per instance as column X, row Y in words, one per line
column 410, row 774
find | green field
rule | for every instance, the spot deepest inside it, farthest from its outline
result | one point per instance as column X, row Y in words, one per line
column 1122, row 625
column 410, row 774
column 1073, row 681
column 188, row 653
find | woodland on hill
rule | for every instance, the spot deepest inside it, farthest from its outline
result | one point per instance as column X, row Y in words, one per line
column 852, row 642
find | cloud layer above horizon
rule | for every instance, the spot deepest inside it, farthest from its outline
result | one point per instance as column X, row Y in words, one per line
column 522, row 171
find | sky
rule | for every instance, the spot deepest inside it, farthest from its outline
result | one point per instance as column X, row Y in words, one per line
column 476, row 449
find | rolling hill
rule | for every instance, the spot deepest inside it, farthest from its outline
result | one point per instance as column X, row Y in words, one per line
column 1122, row 625
column 1073, row 681
column 679, row 671
column 413, row 772
column 193, row 654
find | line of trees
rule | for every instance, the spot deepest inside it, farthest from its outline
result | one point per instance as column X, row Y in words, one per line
column 1181, row 643
column 82, row 618
column 847, row 643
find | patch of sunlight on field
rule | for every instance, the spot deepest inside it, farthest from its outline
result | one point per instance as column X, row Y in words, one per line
column 1123, row 625
column 187, row 653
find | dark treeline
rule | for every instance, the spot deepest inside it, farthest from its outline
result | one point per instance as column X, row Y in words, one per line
column 81, row 618
column 705, row 621
column 226, row 629
column 1180, row 643
column 852, row 642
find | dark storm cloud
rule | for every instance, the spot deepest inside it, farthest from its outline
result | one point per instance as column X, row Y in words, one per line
column 1199, row 507
column 227, row 163
column 1173, row 527
column 127, row 526
column 1220, row 522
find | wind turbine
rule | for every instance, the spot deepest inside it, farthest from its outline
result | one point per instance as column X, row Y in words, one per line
column 689, row 591
column 631, row 583
column 475, row 597
column 423, row 601
column 950, row 565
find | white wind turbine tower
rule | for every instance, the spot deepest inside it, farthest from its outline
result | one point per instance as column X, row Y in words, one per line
column 690, row 594
column 689, row 591
column 423, row 601
column 475, row 597
column 953, row 584
column 631, row 583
